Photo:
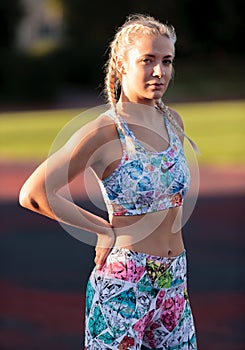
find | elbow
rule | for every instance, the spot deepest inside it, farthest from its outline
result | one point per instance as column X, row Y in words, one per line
column 26, row 200
column 23, row 198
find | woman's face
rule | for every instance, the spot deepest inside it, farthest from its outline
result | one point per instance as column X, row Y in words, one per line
column 147, row 69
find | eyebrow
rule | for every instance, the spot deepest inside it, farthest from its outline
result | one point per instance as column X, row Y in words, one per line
column 150, row 55
column 168, row 56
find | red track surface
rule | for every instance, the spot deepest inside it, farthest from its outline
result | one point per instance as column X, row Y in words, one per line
column 214, row 180
column 61, row 314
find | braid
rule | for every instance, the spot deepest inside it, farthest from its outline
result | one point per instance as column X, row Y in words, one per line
column 164, row 109
column 134, row 26
column 110, row 84
column 171, row 119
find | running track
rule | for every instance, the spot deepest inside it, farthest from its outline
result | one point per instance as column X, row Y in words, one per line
column 44, row 270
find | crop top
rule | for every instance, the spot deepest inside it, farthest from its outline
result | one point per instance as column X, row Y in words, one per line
column 145, row 181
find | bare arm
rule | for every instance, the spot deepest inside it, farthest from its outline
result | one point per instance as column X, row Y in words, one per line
column 40, row 191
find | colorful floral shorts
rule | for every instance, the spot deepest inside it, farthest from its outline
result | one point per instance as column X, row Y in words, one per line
column 139, row 301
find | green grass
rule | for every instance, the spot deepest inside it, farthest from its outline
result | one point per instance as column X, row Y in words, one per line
column 30, row 135
column 217, row 127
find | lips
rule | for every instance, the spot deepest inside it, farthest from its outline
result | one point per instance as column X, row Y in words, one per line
column 157, row 86
column 156, row 83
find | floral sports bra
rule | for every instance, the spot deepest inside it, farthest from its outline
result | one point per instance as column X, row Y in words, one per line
column 145, row 181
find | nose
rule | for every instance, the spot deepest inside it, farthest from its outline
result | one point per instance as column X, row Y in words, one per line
column 158, row 70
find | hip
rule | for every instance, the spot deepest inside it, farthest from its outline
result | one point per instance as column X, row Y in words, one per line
column 137, row 267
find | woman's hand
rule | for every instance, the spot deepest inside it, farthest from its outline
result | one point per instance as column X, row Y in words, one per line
column 104, row 245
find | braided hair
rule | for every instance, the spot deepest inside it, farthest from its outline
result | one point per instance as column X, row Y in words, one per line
column 134, row 26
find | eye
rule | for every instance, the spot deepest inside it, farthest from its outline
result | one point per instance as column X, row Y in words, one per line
column 167, row 62
column 146, row 60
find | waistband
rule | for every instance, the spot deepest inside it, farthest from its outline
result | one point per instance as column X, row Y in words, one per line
column 133, row 267
column 131, row 253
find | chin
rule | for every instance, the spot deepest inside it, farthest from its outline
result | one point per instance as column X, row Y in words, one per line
column 157, row 95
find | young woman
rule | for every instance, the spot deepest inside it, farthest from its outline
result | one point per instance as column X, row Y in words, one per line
column 137, row 293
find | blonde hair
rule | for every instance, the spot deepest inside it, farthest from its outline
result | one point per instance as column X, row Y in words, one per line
column 135, row 25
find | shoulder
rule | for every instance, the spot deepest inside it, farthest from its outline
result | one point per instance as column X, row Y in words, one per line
column 105, row 127
column 99, row 128
column 89, row 137
column 99, row 132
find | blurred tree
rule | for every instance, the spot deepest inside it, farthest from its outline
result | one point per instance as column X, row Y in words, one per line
column 209, row 45
column 212, row 29
column 10, row 15
column 215, row 27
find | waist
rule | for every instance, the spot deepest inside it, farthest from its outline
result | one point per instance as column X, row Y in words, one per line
column 156, row 233
column 166, row 220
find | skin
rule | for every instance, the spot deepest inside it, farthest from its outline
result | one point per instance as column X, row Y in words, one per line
column 147, row 69
column 145, row 72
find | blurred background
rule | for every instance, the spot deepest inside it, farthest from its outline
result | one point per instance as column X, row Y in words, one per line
column 52, row 56
column 52, row 50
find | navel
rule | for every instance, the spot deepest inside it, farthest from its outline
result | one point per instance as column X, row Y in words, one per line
column 169, row 253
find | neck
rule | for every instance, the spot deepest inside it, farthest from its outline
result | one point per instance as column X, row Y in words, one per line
column 137, row 112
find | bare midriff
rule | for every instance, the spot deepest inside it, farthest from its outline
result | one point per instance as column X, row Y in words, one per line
column 156, row 233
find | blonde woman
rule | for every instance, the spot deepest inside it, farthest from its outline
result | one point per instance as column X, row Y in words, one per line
column 137, row 293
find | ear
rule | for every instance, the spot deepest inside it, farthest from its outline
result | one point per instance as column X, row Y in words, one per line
column 121, row 65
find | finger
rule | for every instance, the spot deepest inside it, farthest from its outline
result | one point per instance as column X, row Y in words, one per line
column 99, row 263
column 101, row 255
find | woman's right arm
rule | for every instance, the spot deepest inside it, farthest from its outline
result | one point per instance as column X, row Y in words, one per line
column 40, row 191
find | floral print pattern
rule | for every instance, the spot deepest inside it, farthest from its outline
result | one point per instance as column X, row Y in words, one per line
column 146, row 181
column 138, row 301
